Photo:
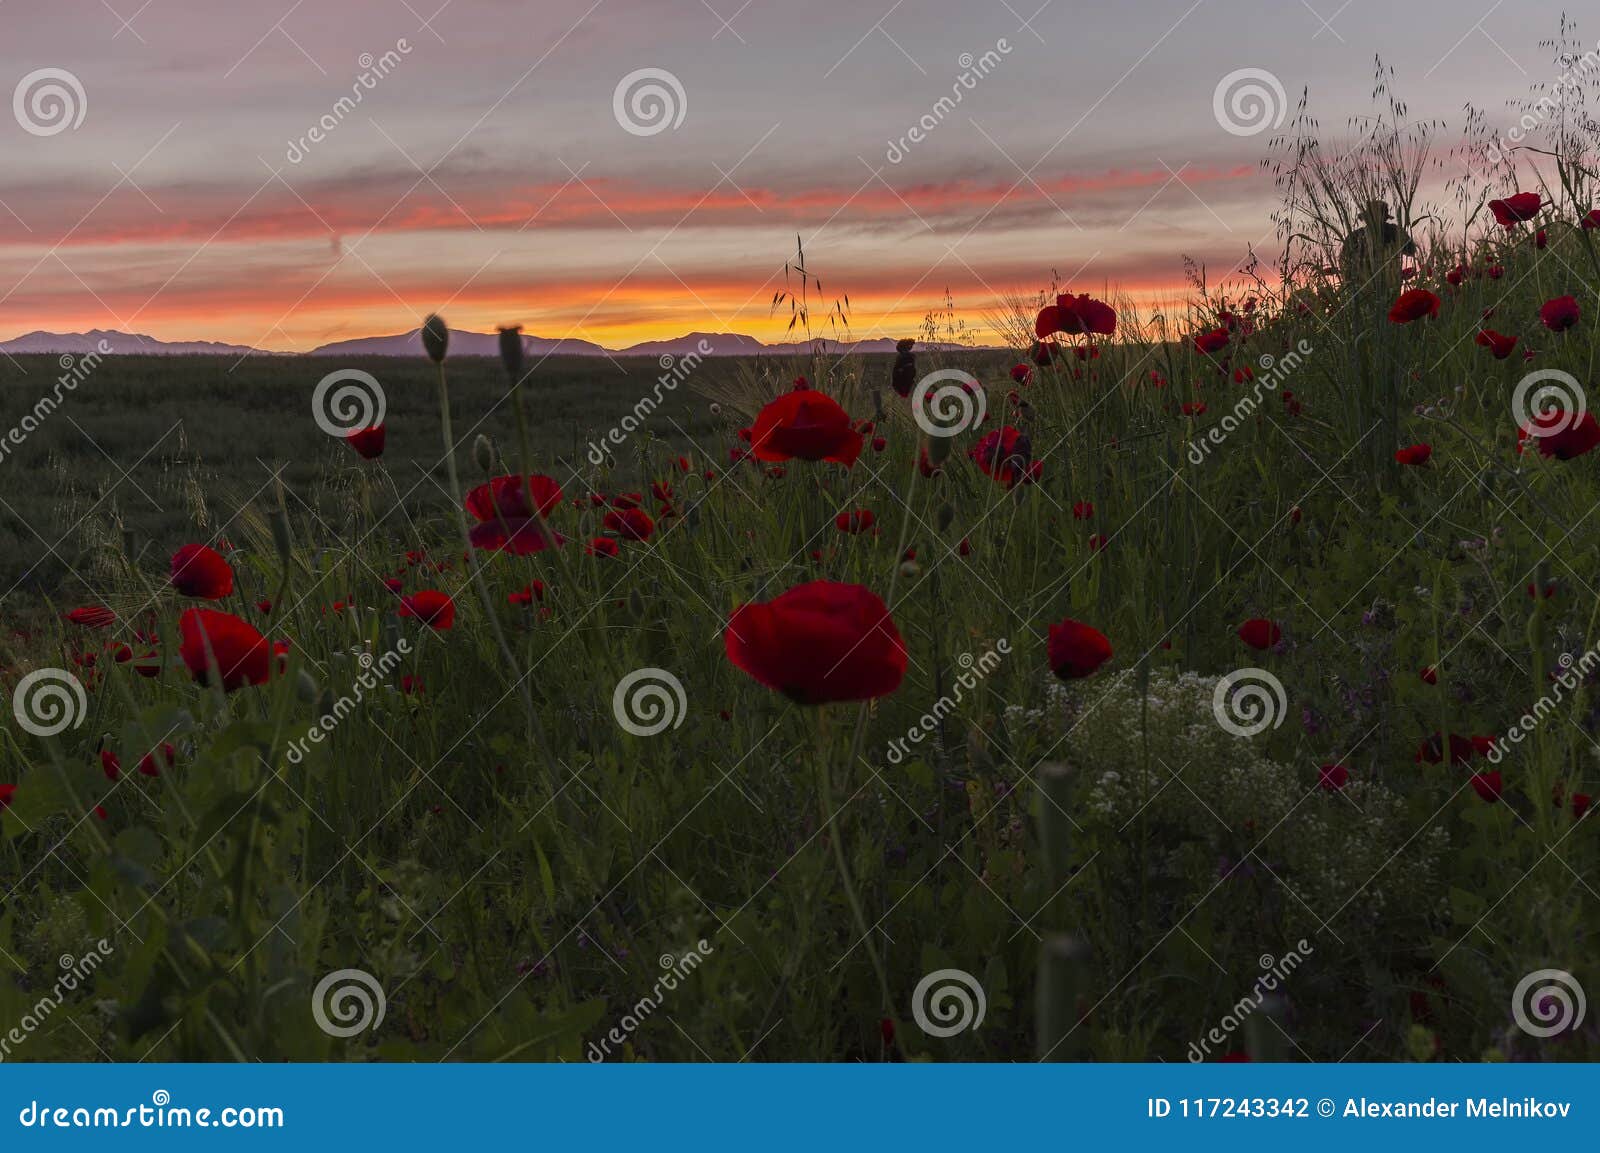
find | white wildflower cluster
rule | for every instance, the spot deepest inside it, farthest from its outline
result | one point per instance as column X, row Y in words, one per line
column 1214, row 805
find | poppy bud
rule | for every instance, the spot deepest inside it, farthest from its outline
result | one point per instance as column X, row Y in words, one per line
column 511, row 351
column 280, row 535
column 946, row 515
column 1063, row 975
column 910, row 569
column 483, row 453
column 435, row 338
column 305, row 687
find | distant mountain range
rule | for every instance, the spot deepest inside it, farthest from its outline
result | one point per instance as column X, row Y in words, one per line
column 461, row 344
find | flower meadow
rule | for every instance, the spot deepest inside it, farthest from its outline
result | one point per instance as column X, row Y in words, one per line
column 946, row 706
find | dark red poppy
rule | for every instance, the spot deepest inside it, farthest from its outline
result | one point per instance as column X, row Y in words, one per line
column 149, row 766
column 110, row 764
column 243, row 656
column 1590, row 219
column 513, row 498
column 859, row 520
column 529, row 593
column 1021, row 373
column 1429, row 675
column 1431, row 751
column 630, row 523
column 1043, row 353
column 807, row 425
column 1194, row 408
column 1415, row 455
column 1580, row 805
column 368, row 442
column 1333, row 777
column 1487, row 785
column 6, row 793
column 1515, row 209
column 430, row 606
column 1540, row 238
column 819, row 642
column 1558, row 435
column 1414, row 304
column 200, row 572
column 1209, row 342
column 601, row 546
column 520, row 536
column 1497, row 343
column 1006, row 455
column 92, row 617
column 1076, row 649
column 1260, row 633
column 1456, row 275
column 1075, row 315
column 1559, row 314
column 1082, row 510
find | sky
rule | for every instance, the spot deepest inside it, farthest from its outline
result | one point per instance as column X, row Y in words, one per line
column 626, row 170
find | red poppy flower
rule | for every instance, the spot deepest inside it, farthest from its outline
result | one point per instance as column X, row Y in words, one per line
column 1021, row 373
column 1097, row 542
column 1513, row 210
column 529, row 593
column 368, row 442
column 92, row 617
column 1214, row 341
column 1540, row 239
column 1559, row 314
column 1496, row 343
column 1333, row 777
column 1431, row 750
column 1082, row 510
column 1414, row 304
column 513, row 498
column 430, row 606
column 410, row 685
column 1487, row 785
column 6, row 793
column 601, row 546
column 149, row 766
column 1193, row 408
column 520, row 536
column 1590, row 219
column 1495, row 271
column 1558, row 435
column 1456, row 275
column 1260, row 633
column 630, row 523
column 807, row 425
column 1006, row 455
column 1580, row 805
column 200, row 572
column 1076, row 649
column 820, row 641
column 243, row 656
column 1429, row 675
column 853, row 522
column 1415, row 455
column 1075, row 315
column 110, row 765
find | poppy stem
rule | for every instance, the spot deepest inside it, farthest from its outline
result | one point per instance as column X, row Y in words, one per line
column 475, row 573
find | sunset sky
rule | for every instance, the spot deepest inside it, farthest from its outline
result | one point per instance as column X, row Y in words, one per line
column 487, row 174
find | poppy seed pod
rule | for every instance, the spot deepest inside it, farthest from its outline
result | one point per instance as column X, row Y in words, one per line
column 305, row 687
column 511, row 351
column 435, row 338
column 483, row 453
column 903, row 376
